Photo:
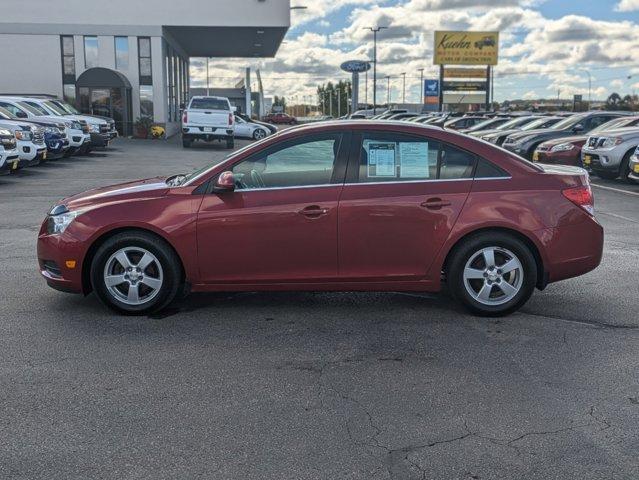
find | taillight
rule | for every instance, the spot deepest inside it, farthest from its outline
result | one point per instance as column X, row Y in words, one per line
column 582, row 197
column 185, row 117
column 230, row 119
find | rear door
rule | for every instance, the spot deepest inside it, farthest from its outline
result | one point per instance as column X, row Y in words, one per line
column 209, row 112
column 401, row 199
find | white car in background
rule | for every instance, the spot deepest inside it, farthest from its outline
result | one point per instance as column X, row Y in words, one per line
column 29, row 142
column 8, row 153
column 252, row 130
column 77, row 132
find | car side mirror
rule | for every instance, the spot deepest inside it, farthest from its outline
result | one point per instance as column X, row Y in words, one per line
column 21, row 114
column 578, row 128
column 225, row 182
column 182, row 106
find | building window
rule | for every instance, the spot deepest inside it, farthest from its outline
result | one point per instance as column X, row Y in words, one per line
column 144, row 60
column 68, row 59
column 146, row 101
column 90, row 52
column 69, row 93
column 121, row 53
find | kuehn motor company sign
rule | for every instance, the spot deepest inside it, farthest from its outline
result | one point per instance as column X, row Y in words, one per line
column 466, row 48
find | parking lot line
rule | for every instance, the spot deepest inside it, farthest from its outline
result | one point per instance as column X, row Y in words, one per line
column 628, row 192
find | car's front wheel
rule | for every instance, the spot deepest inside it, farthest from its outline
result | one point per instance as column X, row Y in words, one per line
column 492, row 273
column 136, row 273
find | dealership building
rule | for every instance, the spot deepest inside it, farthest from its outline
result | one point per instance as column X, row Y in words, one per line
column 130, row 59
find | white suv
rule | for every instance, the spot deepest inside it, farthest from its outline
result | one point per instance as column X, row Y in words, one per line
column 77, row 133
column 208, row 118
column 29, row 142
column 8, row 153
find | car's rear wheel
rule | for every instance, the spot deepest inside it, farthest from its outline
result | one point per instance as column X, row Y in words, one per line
column 258, row 134
column 492, row 273
column 230, row 142
column 186, row 143
column 135, row 273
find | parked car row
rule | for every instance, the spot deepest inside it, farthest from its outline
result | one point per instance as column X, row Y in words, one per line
column 35, row 129
column 604, row 143
column 208, row 118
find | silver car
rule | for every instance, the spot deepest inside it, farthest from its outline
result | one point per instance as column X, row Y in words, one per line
column 607, row 154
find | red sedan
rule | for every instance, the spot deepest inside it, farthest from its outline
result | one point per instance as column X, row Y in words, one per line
column 334, row 206
column 280, row 118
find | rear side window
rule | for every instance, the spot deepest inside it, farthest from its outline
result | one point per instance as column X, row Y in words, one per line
column 209, row 104
column 395, row 157
column 485, row 169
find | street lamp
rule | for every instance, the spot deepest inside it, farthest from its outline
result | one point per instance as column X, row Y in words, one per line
column 403, row 74
column 388, row 92
column 421, row 84
column 589, row 85
column 374, row 30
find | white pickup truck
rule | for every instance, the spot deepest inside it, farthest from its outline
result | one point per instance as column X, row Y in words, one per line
column 208, row 118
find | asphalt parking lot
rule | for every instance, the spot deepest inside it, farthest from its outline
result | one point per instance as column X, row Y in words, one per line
column 311, row 385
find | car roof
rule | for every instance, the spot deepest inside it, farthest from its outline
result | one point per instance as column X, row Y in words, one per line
column 209, row 96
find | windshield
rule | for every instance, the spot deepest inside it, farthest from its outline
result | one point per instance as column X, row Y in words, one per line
column 610, row 124
column 6, row 114
column 56, row 108
column 515, row 122
column 209, row 104
column 485, row 123
column 66, row 107
column 539, row 123
column 568, row 122
column 39, row 111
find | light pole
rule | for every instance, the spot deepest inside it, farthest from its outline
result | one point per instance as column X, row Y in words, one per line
column 421, row 85
column 366, row 89
column 374, row 30
column 589, row 85
column 403, row 74
column 388, row 92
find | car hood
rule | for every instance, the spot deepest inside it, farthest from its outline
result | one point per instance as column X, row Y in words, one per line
column 625, row 132
column 99, row 117
column 576, row 139
column 87, row 118
column 147, row 188
column 490, row 131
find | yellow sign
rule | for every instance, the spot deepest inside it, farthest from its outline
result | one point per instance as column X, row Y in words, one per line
column 464, row 73
column 466, row 48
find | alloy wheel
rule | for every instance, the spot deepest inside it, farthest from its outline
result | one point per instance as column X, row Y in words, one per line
column 493, row 276
column 133, row 275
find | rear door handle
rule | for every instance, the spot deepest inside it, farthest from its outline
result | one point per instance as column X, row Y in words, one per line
column 313, row 211
column 435, row 203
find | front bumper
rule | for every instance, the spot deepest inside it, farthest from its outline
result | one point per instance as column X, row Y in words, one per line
column 8, row 163
column 100, row 139
column 634, row 168
column 601, row 160
column 55, row 256
column 567, row 157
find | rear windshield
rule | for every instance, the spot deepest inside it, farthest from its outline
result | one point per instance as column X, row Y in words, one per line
column 209, row 104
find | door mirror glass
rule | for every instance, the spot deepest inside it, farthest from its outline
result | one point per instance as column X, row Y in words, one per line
column 225, row 182
column 182, row 106
column 20, row 114
column 578, row 128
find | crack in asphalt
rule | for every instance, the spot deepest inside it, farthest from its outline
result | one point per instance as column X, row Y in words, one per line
column 397, row 461
column 590, row 323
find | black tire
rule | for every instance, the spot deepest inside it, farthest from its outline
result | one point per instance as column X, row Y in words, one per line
column 466, row 250
column 230, row 142
column 186, row 143
column 170, row 264
column 259, row 134
column 625, row 167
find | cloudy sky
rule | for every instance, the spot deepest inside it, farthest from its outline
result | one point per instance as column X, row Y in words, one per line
column 545, row 46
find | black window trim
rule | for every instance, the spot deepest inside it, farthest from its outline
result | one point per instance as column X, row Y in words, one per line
column 339, row 171
column 352, row 171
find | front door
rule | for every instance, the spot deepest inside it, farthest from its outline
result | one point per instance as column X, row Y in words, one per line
column 402, row 197
column 280, row 224
column 101, row 102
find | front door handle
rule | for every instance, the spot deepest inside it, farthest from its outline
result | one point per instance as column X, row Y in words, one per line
column 435, row 203
column 313, row 211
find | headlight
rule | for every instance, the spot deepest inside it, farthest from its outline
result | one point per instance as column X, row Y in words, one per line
column 51, row 130
column 59, row 219
column 73, row 125
column 562, row 147
column 611, row 142
column 25, row 135
column 94, row 128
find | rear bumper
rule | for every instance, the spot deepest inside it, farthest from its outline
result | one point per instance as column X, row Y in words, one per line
column 193, row 133
column 572, row 250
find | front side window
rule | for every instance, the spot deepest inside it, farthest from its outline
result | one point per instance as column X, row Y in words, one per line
column 34, row 108
column 300, row 163
column 90, row 52
column 121, row 53
column 14, row 110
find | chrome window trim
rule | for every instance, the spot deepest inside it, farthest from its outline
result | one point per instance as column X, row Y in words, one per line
column 324, row 185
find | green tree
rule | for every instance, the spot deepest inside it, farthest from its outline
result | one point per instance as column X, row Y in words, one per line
column 333, row 99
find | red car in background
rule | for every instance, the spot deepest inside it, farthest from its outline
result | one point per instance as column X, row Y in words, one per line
column 335, row 206
column 567, row 150
column 280, row 118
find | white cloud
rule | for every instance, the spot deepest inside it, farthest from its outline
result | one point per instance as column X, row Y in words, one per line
column 530, row 95
column 627, row 6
